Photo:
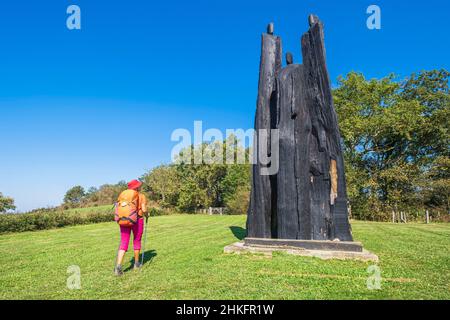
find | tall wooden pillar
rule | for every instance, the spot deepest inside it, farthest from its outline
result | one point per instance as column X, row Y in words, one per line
column 261, row 213
column 328, row 188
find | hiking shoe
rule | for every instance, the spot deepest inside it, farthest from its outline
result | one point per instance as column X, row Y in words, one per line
column 118, row 271
column 137, row 266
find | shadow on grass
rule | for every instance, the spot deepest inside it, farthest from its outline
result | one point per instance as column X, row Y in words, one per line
column 238, row 232
column 148, row 257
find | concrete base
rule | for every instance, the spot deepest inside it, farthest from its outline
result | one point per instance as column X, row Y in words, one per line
column 267, row 250
column 325, row 245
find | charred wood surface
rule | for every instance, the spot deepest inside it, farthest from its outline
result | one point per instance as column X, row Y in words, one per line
column 307, row 198
column 259, row 221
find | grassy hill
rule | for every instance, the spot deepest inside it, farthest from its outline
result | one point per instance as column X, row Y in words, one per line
column 185, row 260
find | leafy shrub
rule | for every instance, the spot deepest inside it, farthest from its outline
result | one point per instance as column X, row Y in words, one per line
column 238, row 203
column 52, row 218
column 158, row 211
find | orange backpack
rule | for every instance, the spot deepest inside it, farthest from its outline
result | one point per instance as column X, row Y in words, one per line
column 127, row 208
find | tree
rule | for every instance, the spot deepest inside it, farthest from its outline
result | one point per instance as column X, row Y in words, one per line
column 74, row 196
column 213, row 184
column 190, row 186
column 236, row 182
column 436, row 184
column 6, row 203
column 200, row 185
column 238, row 202
column 105, row 194
column 393, row 132
column 92, row 195
column 162, row 184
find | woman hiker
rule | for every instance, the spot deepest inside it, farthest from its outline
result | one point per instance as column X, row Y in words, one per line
column 131, row 208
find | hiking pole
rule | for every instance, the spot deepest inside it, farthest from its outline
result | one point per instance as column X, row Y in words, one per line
column 117, row 254
column 118, row 247
column 145, row 240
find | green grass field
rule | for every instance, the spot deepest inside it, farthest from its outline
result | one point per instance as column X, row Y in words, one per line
column 185, row 260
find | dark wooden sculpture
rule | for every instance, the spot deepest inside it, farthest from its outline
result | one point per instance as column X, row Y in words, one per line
column 307, row 198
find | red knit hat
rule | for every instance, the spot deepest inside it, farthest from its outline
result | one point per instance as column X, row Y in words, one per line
column 134, row 184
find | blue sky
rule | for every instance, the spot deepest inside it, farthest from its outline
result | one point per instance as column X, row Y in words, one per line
column 98, row 105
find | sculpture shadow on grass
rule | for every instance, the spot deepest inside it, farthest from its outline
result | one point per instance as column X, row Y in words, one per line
column 148, row 257
column 238, row 232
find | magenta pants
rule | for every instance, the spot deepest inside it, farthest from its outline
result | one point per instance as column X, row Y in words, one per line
column 125, row 233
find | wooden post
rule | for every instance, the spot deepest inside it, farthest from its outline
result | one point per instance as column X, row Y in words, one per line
column 427, row 217
column 393, row 216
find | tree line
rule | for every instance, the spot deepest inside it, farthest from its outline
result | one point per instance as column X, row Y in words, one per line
column 395, row 139
column 186, row 187
column 77, row 196
column 6, row 203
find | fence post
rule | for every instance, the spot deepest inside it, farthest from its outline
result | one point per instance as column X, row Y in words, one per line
column 393, row 216
column 427, row 217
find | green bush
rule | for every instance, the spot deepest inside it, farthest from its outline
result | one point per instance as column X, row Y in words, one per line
column 154, row 212
column 52, row 218
column 42, row 219
column 238, row 203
